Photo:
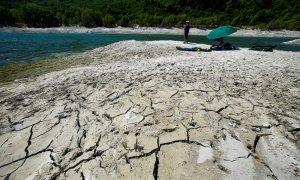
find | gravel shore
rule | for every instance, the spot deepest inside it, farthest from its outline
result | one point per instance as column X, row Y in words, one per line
column 144, row 110
column 152, row 30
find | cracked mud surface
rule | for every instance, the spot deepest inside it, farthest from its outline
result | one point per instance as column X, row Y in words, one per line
column 144, row 110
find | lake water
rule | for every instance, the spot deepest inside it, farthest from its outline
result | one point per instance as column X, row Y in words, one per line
column 24, row 47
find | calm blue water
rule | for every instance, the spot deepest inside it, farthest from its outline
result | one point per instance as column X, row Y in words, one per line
column 24, row 47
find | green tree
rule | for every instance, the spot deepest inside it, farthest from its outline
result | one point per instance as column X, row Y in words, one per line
column 268, row 14
column 169, row 21
column 6, row 17
column 155, row 21
column 98, row 18
column 125, row 21
column 37, row 16
column 87, row 18
column 73, row 15
column 62, row 19
column 108, row 20
column 17, row 16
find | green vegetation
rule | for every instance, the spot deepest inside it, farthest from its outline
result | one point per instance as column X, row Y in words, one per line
column 264, row 14
column 11, row 72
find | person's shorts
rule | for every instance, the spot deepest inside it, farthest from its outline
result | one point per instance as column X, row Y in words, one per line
column 186, row 35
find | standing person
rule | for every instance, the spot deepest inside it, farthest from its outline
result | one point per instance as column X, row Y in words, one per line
column 186, row 28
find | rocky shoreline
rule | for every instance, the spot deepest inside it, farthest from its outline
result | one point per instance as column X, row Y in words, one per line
column 144, row 110
column 151, row 30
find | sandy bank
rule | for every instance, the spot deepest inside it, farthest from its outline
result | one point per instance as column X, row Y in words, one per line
column 296, row 41
column 149, row 30
column 144, row 110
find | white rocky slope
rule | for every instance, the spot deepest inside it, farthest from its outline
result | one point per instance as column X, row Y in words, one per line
column 145, row 110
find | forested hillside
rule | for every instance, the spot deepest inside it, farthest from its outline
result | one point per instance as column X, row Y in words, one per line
column 264, row 14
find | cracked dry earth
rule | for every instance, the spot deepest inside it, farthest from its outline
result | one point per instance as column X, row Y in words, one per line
column 143, row 110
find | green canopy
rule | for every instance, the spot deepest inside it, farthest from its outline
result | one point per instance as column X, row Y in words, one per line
column 220, row 32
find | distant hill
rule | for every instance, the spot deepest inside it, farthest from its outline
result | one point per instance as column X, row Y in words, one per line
column 264, row 14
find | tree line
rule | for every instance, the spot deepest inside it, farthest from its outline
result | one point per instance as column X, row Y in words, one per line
column 263, row 14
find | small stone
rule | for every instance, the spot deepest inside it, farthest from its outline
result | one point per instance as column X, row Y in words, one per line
column 244, row 130
column 19, row 98
column 256, row 129
column 232, row 124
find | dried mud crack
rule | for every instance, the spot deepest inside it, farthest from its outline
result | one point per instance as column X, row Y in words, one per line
column 143, row 110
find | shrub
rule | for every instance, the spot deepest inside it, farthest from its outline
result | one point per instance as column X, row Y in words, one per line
column 169, row 21
column 108, row 20
column 87, row 18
